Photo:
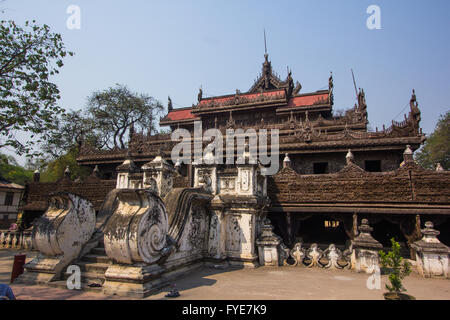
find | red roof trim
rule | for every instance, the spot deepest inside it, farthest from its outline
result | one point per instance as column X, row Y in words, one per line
column 308, row 100
column 184, row 114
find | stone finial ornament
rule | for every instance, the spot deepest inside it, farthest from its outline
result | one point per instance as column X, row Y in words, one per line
column 67, row 172
column 408, row 155
column 350, row 158
column 36, row 176
column 286, row 161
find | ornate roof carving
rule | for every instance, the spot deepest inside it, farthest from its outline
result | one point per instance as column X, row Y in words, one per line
column 267, row 80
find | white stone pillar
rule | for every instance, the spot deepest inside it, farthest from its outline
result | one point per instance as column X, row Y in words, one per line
column 431, row 254
column 268, row 245
column 365, row 257
column 158, row 176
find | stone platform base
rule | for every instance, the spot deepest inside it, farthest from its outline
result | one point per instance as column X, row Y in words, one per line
column 140, row 282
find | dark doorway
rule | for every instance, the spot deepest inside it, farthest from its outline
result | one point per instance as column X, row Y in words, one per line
column 322, row 230
column 444, row 229
column 373, row 165
column 320, row 167
column 384, row 231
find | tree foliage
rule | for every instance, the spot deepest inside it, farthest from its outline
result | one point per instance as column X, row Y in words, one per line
column 54, row 170
column 29, row 56
column 69, row 130
column 400, row 267
column 437, row 147
column 105, row 124
column 117, row 109
column 12, row 171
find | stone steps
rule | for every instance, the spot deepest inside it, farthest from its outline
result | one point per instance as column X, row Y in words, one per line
column 96, row 258
column 85, row 286
column 93, row 267
column 99, row 251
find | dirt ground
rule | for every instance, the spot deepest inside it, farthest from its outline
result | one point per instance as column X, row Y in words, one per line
column 264, row 283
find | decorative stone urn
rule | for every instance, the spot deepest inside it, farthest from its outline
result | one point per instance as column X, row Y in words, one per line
column 431, row 254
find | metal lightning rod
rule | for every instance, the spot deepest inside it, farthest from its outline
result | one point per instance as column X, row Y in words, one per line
column 354, row 83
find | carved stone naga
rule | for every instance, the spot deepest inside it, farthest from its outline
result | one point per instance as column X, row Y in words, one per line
column 137, row 230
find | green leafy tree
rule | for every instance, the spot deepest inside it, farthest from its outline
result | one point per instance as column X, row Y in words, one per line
column 400, row 267
column 116, row 110
column 54, row 170
column 437, row 147
column 29, row 56
column 12, row 171
column 70, row 129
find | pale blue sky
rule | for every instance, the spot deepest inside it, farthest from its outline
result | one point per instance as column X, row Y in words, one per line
column 172, row 47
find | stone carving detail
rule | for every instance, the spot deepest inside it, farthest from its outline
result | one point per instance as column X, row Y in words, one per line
column 335, row 258
column 158, row 176
column 304, row 131
column 204, row 179
column 298, row 254
column 284, row 255
column 313, row 256
column 331, row 258
column 137, row 230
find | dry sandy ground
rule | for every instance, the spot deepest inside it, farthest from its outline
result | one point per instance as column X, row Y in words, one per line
column 272, row 283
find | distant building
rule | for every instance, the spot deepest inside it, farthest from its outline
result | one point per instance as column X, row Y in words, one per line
column 10, row 196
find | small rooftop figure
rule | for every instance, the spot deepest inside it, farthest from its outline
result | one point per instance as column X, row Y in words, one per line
column 6, row 292
column 173, row 293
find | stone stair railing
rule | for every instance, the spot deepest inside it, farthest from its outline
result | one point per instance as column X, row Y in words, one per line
column 16, row 239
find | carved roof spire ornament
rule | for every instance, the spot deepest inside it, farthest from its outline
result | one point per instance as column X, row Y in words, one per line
column 231, row 123
column 265, row 44
column 350, row 158
column 330, row 81
column 169, row 104
column 200, row 94
column 415, row 111
column 286, row 161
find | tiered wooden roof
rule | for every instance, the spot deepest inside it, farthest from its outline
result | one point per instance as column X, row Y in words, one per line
column 304, row 120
